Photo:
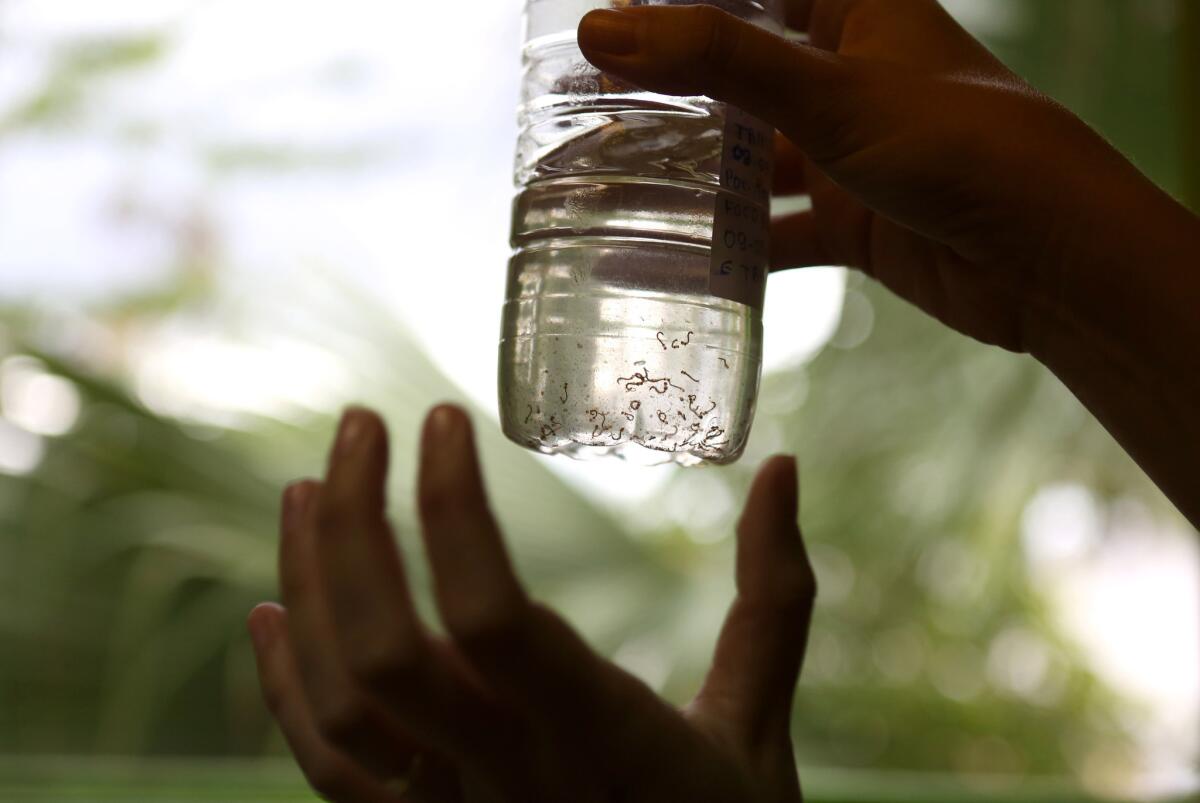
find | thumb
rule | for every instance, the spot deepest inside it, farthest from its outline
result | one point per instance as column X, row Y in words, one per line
column 805, row 92
column 761, row 645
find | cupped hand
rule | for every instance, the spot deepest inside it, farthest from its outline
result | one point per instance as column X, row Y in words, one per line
column 931, row 166
column 509, row 704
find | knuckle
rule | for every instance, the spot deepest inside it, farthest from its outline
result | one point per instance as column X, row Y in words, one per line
column 482, row 626
column 797, row 589
column 448, row 506
column 295, row 584
column 341, row 516
column 384, row 665
column 274, row 699
column 333, row 514
column 436, row 502
column 720, row 37
column 743, row 528
column 707, row 16
column 340, row 718
column 863, row 18
column 326, row 776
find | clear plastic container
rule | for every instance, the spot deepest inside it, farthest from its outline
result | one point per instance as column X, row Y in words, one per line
column 632, row 322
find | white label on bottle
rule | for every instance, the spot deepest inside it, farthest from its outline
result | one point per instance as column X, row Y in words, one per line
column 742, row 218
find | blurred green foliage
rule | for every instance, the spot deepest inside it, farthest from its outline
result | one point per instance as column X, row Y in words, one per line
column 78, row 66
column 259, row 781
column 130, row 556
column 1124, row 67
column 1189, row 95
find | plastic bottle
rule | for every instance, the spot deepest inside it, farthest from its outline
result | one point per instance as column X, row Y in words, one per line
column 632, row 323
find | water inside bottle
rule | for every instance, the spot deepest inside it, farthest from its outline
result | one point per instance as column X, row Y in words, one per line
column 612, row 342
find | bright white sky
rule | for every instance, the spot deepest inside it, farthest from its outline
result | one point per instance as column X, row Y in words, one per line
column 426, row 231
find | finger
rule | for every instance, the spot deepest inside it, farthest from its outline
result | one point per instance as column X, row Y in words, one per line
column 796, row 242
column 790, row 167
column 761, row 646
column 330, row 773
column 525, row 651
column 345, row 714
column 827, row 19
column 386, row 650
column 842, row 232
column 837, row 230
column 809, row 94
column 919, row 33
column 374, row 621
column 473, row 576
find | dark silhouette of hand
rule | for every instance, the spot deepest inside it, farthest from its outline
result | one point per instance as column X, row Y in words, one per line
column 931, row 165
column 936, row 170
column 510, row 704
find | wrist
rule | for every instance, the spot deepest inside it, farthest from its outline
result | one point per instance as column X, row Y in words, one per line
column 1128, row 283
column 1124, row 341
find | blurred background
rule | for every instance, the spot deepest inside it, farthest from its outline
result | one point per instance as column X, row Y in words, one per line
column 223, row 220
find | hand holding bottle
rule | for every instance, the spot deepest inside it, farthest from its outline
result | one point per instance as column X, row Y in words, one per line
column 935, row 169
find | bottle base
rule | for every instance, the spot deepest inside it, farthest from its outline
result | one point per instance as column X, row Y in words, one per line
column 634, row 453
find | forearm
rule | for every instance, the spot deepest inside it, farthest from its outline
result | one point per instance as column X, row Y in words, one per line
column 1125, row 338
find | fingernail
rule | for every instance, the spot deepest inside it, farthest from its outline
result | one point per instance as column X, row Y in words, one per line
column 443, row 423
column 262, row 630
column 349, row 431
column 295, row 500
column 609, row 31
column 442, row 428
column 443, row 444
